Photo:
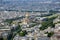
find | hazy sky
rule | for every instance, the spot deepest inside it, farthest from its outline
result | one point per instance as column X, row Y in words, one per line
column 31, row 0
column 41, row 1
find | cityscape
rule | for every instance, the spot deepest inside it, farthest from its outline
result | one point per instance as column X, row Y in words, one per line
column 29, row 19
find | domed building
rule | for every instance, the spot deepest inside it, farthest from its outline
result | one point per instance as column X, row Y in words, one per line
column 25, row 21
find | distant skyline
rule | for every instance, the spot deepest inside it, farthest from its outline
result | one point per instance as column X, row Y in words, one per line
column 35, row 0
column 30, row 4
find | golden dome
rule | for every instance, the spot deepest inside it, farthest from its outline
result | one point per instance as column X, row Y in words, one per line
column 27, row 14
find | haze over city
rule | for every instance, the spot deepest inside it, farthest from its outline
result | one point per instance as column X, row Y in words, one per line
column 29, row 19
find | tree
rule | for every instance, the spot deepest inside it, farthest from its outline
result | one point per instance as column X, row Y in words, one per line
column 1, row 38
column 53, row 25
column 46, row 24
column 8, row 20
column 22, row 33
column 50, row 34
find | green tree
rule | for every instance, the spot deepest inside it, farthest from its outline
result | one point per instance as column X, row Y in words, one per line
column 50, row 34
column 22, row 33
